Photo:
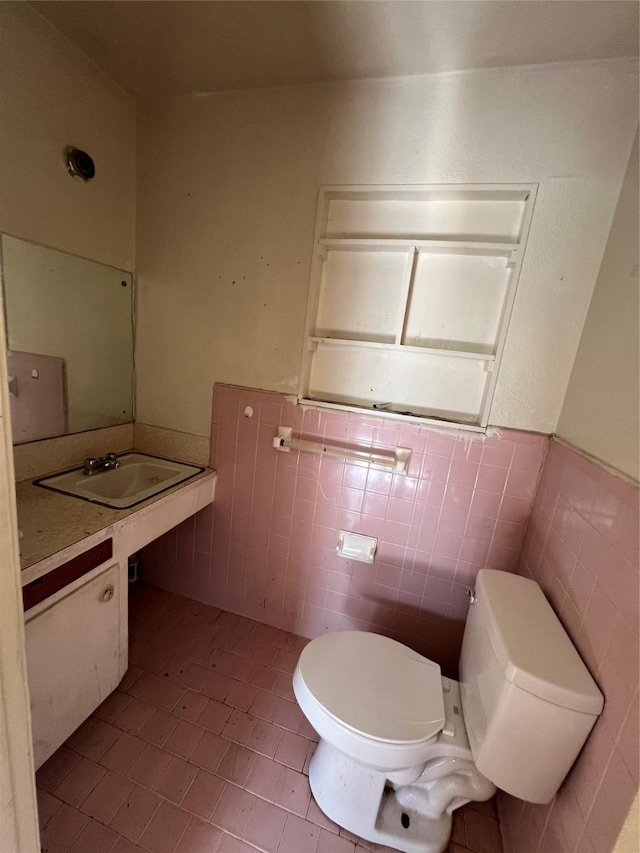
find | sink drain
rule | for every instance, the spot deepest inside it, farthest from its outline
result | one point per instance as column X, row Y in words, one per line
column 404, row 820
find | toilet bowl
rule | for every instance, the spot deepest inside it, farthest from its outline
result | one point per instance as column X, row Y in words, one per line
column 393, row 759
column 400, row 747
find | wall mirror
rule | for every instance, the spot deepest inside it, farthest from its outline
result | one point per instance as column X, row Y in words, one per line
column 69, row 340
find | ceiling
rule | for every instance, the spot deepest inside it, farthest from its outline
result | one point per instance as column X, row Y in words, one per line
column 165, row 48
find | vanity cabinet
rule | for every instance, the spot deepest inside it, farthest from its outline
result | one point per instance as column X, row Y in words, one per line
column 75, row 595
column 410, row 298
column 76, row 647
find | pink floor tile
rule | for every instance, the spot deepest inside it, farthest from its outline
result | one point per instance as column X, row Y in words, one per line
column 236, row 764
column 123, row 845
column 265, row 738
column 482, row 832
column 294, row 793
column 47, row 806
column 199, row 837
column 264, row 677
column 93, row 738
column 166, row 695
column 135, row 813
column 264, row 655
column 241, row 696
column 159, row 727
column 95, row 837
column 107, row 797
column 148, row 766
column 145, row 686
column 154, row 660
column 242, row 668
column 265, row 825
column 233, row 809
column 182, row 741
column 204, row 794
column 265, row 777
column 130, row 676
column 113, row 706
column 319, row 818
column 79, row 782
column 299, row 835
column 239, row 727
column 218, row 686
column 135, row 715
column 214, row 716
column 265, row 704
column 292, row 750
column 191, row 705
column 165, row 829
column 330, row 843
column 288, row 715
column 282, row 686
column 122, row 753
column 62, row 830
column 209, row 751
column 229, row 844
column 175, row 779
column 56, row 768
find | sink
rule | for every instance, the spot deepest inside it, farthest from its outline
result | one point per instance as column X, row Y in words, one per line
column 138, row 478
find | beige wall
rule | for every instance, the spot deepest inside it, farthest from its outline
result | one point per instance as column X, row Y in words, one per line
column 53, row 97
column 601, row 409
column 227, row 188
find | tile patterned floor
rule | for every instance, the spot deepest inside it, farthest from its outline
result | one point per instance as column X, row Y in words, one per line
column 202, row 748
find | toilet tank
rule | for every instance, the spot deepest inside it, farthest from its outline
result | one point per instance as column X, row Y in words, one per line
column 528, row 700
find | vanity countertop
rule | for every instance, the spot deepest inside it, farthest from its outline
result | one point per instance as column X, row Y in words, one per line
column 50, row 522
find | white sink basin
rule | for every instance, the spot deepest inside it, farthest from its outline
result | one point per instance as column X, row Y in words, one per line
column 137, row 478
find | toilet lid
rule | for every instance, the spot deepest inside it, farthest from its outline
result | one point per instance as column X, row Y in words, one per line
column 374, row 685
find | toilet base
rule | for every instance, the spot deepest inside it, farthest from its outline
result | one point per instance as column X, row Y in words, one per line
column 357, row 798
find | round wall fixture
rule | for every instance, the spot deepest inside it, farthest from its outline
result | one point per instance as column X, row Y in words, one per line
column 79, row 163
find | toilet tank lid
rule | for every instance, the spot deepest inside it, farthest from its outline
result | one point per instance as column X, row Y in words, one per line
column 532, row 646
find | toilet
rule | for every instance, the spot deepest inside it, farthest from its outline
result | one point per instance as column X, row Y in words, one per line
column 400, row 747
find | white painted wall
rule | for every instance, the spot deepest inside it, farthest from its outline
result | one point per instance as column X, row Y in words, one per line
column 600, row 412
column 52, row 97
column 227, row 188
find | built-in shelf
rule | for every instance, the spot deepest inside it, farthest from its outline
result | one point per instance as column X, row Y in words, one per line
column 441, row 351
column 452, row 419
column 396, row 266
column 387, row 244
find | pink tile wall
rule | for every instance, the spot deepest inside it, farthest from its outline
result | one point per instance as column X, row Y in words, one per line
column 582, row 548
column 270, row 553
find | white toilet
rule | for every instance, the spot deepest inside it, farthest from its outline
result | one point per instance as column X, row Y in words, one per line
column 401, row 747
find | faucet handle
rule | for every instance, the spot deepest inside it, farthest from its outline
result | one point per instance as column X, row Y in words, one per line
column 90, row 465
column 111, row 461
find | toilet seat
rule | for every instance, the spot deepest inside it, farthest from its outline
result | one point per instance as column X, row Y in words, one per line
column 374, row 686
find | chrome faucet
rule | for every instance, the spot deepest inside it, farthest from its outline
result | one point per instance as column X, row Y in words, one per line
column 104, row 463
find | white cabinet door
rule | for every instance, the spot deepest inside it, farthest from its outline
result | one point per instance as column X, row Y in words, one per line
column 74, row 658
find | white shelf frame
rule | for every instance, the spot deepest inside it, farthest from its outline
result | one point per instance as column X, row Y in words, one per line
column 314, row 342
column 387, row 414
column 402, row 244
column 512, row 252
